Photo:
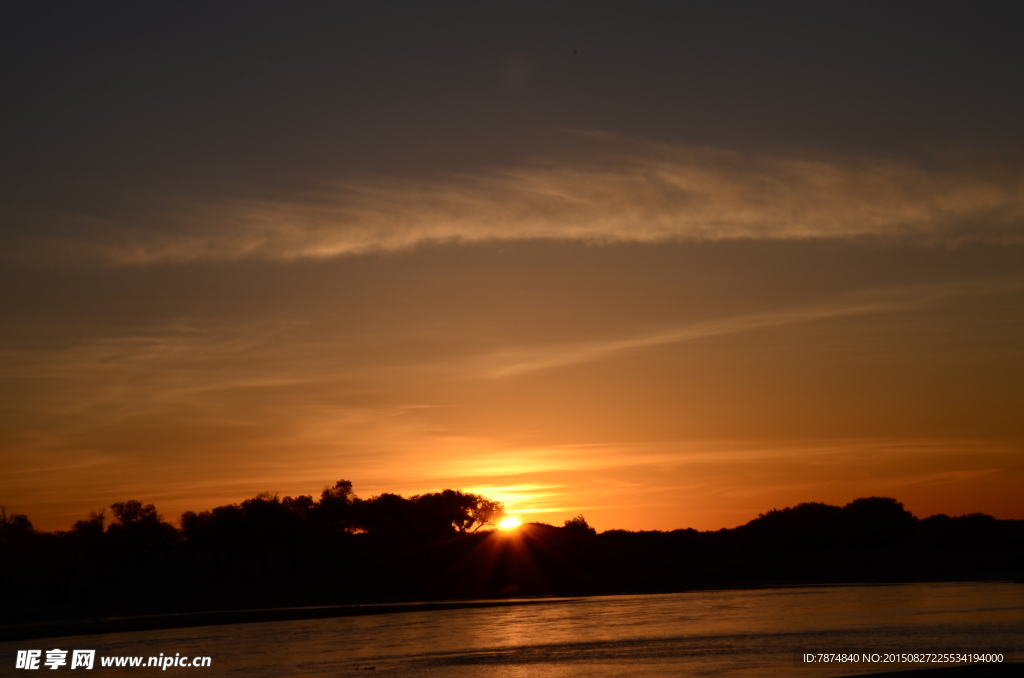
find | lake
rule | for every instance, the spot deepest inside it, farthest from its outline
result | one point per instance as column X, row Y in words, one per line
column 734, row 633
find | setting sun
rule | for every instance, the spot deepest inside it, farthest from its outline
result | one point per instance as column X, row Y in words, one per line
column 509, row 523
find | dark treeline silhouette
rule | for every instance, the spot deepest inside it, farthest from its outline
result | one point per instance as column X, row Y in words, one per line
column 272, row 552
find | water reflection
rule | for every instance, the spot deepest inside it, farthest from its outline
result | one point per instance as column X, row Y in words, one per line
column 708, row 633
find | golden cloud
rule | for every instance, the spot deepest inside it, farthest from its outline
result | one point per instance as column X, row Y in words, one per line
column 657, row 194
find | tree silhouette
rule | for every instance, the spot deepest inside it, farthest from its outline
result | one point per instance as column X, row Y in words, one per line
column 15, row 525
column 392, row 516
column 579, row 525
column 138, row 526
column 133, row 512
column 92, row 527
column 336, row 507
column 463, row 511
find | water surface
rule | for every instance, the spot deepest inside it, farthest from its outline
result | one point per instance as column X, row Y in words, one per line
column 706, row 633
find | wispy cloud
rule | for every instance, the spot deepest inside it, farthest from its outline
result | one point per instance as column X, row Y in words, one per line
column 644, row 195
column 522, row 360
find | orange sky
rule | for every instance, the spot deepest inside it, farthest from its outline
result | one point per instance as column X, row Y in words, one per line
column 657, row 288
column 646, row 386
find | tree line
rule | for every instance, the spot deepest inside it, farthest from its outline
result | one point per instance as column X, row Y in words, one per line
column 266, row 516
column 338, row 548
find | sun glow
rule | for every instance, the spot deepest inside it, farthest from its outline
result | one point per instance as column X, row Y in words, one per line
column 509, row 523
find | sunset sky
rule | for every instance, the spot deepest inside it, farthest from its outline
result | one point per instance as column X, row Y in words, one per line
column 662, row 264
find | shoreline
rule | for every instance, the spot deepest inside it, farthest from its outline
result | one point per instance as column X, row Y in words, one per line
column 179, row 620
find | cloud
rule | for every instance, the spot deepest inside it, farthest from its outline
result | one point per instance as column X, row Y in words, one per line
column 523, row 360
column 645, row 194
